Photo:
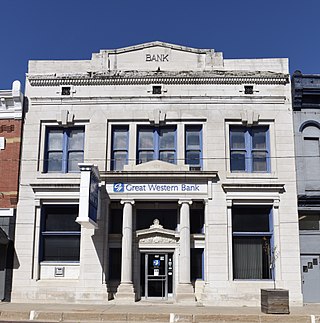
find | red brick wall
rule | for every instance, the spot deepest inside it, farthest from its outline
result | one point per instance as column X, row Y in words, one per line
column 9, row 162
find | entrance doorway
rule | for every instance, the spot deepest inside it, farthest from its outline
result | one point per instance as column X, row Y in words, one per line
column 157, row 275
column 311, row 278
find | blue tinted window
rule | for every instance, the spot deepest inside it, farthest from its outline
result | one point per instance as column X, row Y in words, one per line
column 249, row 149
column 60, row 234
column 64, row 149
column 193, row 146
column 156, row 143
column 119, row 154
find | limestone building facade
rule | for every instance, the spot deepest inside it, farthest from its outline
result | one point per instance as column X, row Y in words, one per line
column 158, row 172
column 11, row 106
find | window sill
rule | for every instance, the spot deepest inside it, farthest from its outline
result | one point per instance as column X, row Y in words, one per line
column 245, row 281
column 60, row 263
column 251, row 175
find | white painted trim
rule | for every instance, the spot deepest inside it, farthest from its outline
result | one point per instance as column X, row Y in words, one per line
column 6, row 212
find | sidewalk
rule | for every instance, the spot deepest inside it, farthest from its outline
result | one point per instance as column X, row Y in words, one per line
column 151, row 312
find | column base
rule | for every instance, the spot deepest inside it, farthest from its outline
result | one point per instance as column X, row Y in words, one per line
column 125, row 294
column 185, row 294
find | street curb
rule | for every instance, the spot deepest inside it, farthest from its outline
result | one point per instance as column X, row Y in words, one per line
column 51, row 316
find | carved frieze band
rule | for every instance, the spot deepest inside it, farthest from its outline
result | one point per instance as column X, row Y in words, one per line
column 157, row 80
column 157, row 240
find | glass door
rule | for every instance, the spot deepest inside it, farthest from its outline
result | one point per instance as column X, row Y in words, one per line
column 158, row 269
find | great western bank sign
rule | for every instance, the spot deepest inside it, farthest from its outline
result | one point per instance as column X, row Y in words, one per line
column 120, row 187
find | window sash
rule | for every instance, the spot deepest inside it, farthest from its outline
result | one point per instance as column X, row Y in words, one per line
column 60, row 235
column 309, row 221
column 193, row 133
column 251, row 257
column 254, row 155
column 158, row 150
column 120, row 133
column 252, row 249
column 65, row 163
column 62, row 248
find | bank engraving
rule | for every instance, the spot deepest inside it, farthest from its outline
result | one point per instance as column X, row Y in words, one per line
column 157, row 57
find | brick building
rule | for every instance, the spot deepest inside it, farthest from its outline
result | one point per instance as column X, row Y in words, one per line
column 11, row 104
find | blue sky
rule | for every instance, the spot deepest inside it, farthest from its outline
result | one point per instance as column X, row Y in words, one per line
column 73, row 29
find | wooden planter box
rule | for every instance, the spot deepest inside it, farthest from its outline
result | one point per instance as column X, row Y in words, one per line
column 275, row 301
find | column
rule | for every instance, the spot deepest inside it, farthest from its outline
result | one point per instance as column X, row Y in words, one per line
column 125, row 291
column 185, row 290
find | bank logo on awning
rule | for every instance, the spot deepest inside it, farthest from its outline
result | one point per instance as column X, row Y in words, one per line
column 118, row 187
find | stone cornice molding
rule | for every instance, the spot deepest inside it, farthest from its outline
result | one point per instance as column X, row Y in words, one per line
column 56, row 192
column 240, row 187
column 228, row 99
column 253, row 193
column 168, row 78
column 154, row 44
column 171, row 176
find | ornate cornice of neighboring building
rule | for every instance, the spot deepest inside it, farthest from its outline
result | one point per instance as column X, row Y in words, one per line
column 305, row 91
column 308, row 201
column 11, row 102
column 159, row 77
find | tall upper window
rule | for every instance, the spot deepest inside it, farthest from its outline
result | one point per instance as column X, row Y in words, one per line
column 156, row 143
column 64, row 149
column 249, row 149
column 119, row 154
column 193, row 152
column 60, row 234
column 252, row 233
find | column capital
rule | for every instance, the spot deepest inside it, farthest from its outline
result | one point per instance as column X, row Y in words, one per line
column 229, row 203
column 124, row 201
column 37, row 202
column 276, row 203
column 182, row 201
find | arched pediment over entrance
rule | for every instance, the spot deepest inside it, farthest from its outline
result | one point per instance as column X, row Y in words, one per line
column 157, row 237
